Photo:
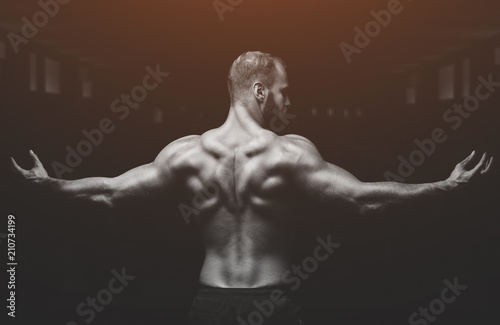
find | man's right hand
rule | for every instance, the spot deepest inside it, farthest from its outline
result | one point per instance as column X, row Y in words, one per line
column 461, row 175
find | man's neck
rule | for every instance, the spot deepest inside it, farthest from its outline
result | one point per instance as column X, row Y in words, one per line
column 246, row 119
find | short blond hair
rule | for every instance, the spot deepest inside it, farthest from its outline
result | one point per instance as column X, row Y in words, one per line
column 250, row 67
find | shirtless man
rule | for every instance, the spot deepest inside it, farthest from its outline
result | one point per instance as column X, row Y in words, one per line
column 258, row 180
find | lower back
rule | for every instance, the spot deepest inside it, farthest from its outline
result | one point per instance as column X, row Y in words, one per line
column 246, row 273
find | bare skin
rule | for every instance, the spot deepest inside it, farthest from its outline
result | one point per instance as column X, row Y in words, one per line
column 256, row 178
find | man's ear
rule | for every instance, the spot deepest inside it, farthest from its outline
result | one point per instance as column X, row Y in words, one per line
column 259, row 91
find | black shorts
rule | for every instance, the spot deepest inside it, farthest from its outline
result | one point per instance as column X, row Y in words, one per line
column 274, row 305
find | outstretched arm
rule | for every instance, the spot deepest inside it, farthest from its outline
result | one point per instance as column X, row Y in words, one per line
column 332, row 184
column 146, row 181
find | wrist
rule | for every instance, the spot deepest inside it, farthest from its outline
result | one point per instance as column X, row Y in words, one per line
column 450, row 185
column 38, row 181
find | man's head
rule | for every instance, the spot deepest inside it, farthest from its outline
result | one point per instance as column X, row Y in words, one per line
column 259, row 78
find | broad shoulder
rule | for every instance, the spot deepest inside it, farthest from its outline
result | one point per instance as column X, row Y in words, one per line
column 181, row 143
column 300, row 149
column 298, row 141
column 178, row 149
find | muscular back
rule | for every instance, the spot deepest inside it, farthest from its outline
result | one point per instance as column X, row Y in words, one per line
column 241, row 187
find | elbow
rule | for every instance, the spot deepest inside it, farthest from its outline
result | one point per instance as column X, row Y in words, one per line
column 367, row 202
column 103, row 201
column 106, row 197
column 367, row 205
column 106, row 201
column 367, row 209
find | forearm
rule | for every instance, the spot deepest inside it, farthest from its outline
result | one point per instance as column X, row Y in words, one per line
column 144, row 182
column 94, row 190
column 382, row 196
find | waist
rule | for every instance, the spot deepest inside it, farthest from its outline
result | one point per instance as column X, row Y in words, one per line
column 206, row 291
column 273, row 304
column 266, row 271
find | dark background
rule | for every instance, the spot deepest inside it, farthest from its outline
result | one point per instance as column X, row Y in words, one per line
column 357, row 114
